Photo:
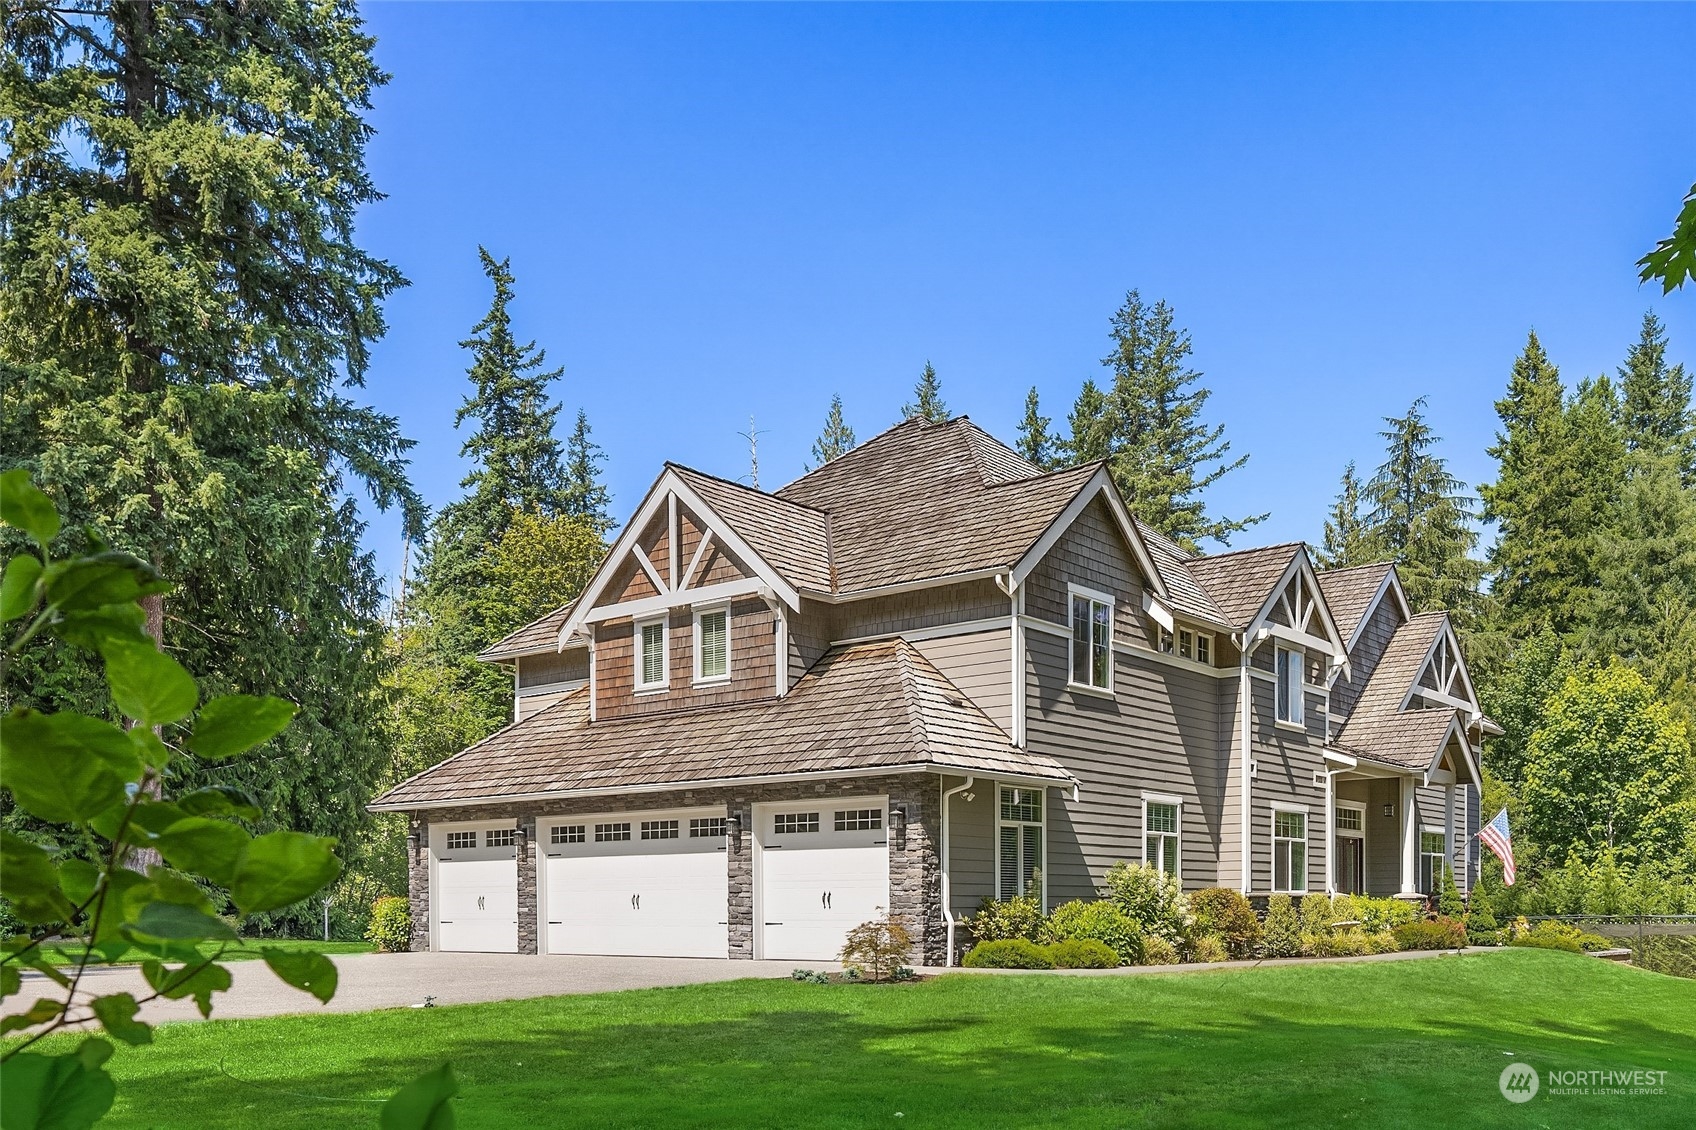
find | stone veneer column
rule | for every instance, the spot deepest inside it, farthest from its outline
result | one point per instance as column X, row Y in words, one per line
column 527, row 901
column 418, row 885
column 915, row 877
column 739, row 865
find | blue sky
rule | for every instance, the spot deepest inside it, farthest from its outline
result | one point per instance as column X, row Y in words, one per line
column 722, row 211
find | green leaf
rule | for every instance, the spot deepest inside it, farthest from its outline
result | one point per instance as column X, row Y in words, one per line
column 17, row 587
column 282, row 868
column 235, row 723
column 422, row 1104
column 29, row 880
column 172, row 886
column 312, row 972
column 220, row 800
column 117, row 1015
column 174, row 922
column 95, row 628
column 40, row 1012
column 56, row 1092
column 23, row 505
column 100, row 580
column 202, row 846
column 197, row 981
column 65, row 768
column 147, row 684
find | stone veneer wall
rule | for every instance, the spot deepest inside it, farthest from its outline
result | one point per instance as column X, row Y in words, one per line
column 915, row 883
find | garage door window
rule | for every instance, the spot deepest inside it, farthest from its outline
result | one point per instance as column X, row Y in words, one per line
column 789, row 823
column 858, row 819
column 462, row 841
column 568, row 834
column 607, row 833
column 712, row 826
column 1019, row 861
column 498, row 837
column 659, row 829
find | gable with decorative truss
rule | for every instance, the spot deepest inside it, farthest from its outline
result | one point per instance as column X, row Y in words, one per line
column 1443, row 678
column 1297, row 613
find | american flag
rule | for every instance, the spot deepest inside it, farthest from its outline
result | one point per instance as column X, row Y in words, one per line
column 1496, row 838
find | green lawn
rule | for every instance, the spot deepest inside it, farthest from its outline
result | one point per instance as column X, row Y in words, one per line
column 1414, row 1043
column 293, row 945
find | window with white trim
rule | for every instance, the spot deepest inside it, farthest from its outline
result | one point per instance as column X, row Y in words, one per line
column 1289, row 851
column 1350, row 819
column 568, row 834
column 710, row 827
column 651, row 661
column 1433, row 855
column 610, row 833
column 1160, row 824
column 1018, row 862
column 1162, row 640
column 1195, row 645
column 712, row 644
column 1092, row 640
column 1291, row 692
column 461, row 841
column 498, row 837
column 791, row 823
column 858, row 819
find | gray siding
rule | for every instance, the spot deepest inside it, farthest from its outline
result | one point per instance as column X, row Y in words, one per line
column 971, row 845
column 1285, row 763
column 981, row 665
column 1429, row 802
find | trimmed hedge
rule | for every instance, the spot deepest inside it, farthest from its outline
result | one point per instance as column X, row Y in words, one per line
column 1082, row 953
column 1434, row 934
column 1101, row 921
column 1008, row 953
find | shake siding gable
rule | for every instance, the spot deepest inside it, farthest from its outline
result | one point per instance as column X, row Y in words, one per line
column 753, row 664
column 1363, row 660
column 923, row 608
column 1093, row 554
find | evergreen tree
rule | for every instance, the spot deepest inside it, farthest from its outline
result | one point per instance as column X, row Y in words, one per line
column 1558, row 466
column 1422, row 519
column 1655, row 401
column 837, row 438
column 1149, row 427
column 586, row 497
column 1034, row 441
column 927, row 398
column 1516, row 698
column 185, row 315
column 1349, row 540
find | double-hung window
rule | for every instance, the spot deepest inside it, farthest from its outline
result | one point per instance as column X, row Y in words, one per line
column 1019, row 832
column 1195, row 645
column 1092, row 639
column 1160, row 823
column 1290, row 689
column 1289, row 851
column 1433, row 854
column 651, row 660
column 712, row 644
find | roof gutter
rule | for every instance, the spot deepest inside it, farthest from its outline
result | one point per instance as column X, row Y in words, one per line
column 905, row 586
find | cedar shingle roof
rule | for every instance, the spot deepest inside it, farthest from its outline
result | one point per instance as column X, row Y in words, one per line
column 1410, row 738
column 1399, row 666
column 877, row 705
column 790, row 537
column 1349, row 591
column 926, row 500
column 1239, row 582
column 539, row 636
column 1173, row 561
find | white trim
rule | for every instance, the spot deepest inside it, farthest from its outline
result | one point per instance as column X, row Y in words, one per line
column 780, row 635
column 1353, row 833
column 1143, row 651
column 650, row 605
column 1094, row 597
column 640, row 649
column 672, row 540
column 1306, row 840
column 641, row 556
column 1157, row 610
column 1041, row 839
column 1245, row 817
column 699, row 679
column 1099, row 483
column 1332, row 644
column 1447, row 633
column 700, row 554
column 1048, row 626
column 1016, row 668
column 564, row 686
column 716, row 782
column 1177, row 835
column 900, row 587
column 1297, row 695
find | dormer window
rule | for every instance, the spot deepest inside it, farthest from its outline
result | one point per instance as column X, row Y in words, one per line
column 1092, row 639
column 712, row 644
column 652, row 666
column 1195, row 645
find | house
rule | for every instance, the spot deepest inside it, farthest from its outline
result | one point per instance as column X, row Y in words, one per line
column 927, row 673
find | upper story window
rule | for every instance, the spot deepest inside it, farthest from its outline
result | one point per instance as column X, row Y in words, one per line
column 1195, row 645
column 712, row 644
column 652, row 663
column 1092, row 639
column 1291, row 695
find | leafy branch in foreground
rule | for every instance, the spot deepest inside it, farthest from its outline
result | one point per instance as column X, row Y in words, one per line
column 98, row 789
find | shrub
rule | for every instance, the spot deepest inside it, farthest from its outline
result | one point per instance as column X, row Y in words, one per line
column 1017, row 917
column 1373, row 914
column 1158, row 951
column 1382, row 941
column 1481, row 927
column 1151, row 899
column 1317, row 913
column 1209, row 947
column 1102, row 921
column 391, row 925
column 1449, row 902
column 1439, row 933
column 1227, row 915
column 877, row 948
column 1561, row 936
column 1350, row 941
column 1280, row 934
column 1082, row 953
column 1008, row 953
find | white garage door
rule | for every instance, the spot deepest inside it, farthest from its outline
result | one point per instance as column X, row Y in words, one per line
column 823, row 869
column 476, row 897
column 646, row 884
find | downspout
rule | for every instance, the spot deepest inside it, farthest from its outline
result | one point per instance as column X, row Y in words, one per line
column 947, row 886
column 1244, row 816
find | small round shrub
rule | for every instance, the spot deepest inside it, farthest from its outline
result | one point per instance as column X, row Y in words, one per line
column 1435, row 934
column 1158, row 951
column 1382, row 941
column 1227, row 915
column 1349, row 942
column 1210, row 947
column 1102, row 921
column 1281, row 932
column 1017, row 917
column 1373, row 914
column 1008, row 953
column 391, row 925
column 1153, row 900
column 1082, row 953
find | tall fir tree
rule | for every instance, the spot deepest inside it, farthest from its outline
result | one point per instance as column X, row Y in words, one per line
column 1558, row 464
column 585, row 495
column 1423, row 518
column 1149, row 427
column 1655, row 401
column 927, row 398
column 1034, row 442
column 837, row 438
column 1349, row 539
column 186, row 319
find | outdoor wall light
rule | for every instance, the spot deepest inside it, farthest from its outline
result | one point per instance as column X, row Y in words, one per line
column 1389, row 810
column 898, row 819
column 412, row 843
column 522, row 839
column 733, row 825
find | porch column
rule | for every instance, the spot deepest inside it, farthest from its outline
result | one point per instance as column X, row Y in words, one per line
column 1410, row 839
column 1449, row 829
column 1330, row 833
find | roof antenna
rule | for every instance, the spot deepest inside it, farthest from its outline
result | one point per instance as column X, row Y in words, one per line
column 752, row 435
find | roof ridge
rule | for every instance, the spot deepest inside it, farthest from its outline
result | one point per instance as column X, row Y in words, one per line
column 742, row 486
column 909, row 685
column 1247, row 549
column 1092, row 466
